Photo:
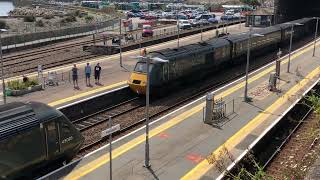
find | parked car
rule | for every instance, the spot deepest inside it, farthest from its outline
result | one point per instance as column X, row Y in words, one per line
column 203, row 22
column 213, row 20
column 147, row 30
column 194, row 23
column 184, row 24
column 182, row 16
column 206, row 16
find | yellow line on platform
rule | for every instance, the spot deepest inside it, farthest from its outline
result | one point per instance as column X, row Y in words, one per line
column 88, row 93
column 203, row 167
column 91, row 166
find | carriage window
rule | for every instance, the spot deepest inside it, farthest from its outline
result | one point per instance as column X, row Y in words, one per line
column 142, row 67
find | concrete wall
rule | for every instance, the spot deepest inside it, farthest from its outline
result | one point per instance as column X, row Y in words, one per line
column 18, row 39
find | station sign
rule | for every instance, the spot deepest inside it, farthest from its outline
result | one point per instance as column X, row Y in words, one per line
column 111, row 130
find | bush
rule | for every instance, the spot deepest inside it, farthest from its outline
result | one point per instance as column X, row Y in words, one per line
column 3, row 25
column 88, row 18
column 18, row 85
column 69, row 19
column 39, row 23
column 48, row 16
column 29, row 19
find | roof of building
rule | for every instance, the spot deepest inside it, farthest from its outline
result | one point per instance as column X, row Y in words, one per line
column 263, row 11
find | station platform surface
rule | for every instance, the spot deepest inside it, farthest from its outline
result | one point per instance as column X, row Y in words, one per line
column 180, row 142
column 112, row 75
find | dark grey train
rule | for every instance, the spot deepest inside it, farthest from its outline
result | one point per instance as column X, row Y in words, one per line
column 34, row 135
column 189, row 62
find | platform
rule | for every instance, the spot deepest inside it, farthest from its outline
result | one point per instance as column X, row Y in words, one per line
column 180, row 142
column 113, row 76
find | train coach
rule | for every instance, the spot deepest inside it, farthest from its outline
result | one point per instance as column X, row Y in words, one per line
column 191, row 62
column 34, row 135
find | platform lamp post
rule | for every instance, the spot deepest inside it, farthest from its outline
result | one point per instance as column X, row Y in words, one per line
column 246, row 98
column 291, row 37
column 315, row 37
column 2, row 71
column 147, row 149
column 178, row 25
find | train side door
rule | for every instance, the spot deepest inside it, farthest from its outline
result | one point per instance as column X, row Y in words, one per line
column 52, row 138
column 165, row 73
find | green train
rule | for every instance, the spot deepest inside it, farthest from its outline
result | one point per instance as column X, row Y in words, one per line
column 32, row 136
column 191, row 62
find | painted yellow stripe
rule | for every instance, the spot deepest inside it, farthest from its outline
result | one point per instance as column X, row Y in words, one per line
column 203, row 167
column 86, row 169
column 88, row 93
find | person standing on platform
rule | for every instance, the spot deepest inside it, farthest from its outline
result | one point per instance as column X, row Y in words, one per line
column 75, row 76
column 143, row 52
column 87, row 71
column 97, row 72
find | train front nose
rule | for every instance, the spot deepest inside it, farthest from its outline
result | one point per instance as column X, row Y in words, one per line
column 138, row 82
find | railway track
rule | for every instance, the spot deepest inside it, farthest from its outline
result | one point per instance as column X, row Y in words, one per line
column 103, row 115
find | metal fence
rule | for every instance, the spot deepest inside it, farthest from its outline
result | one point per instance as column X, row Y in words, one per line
column 61, row 33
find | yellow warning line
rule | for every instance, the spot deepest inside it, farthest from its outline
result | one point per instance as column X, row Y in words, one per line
column 88, row 93
column 203, row 167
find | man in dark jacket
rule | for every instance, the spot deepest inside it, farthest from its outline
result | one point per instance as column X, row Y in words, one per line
column 97, row 73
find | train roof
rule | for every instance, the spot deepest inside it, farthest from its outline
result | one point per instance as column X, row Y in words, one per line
column 18, row 116
column 169, row 53
column 245, row 35
column 301, row 21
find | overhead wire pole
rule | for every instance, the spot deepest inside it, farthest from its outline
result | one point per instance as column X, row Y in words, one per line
column 147, row 149
column 315, row 37
column 2, row 70
column 120, row 48
column 290, row 48
column 291, row 38
column 247, row 67
column 178, row 36
column 246, row 98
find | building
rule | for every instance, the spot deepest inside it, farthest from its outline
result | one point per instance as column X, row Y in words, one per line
column 262, row 17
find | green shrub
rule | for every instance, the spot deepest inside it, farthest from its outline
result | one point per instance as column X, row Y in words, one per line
column 88, row 18
column 68, row 19
column 48, row 16
column 39, row 23
column 29, row 19
column 18, row 85
column 3, row 25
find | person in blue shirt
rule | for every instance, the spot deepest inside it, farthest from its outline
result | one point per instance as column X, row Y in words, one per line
column 87, row 71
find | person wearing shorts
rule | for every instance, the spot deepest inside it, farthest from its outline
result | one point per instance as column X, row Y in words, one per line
column 97, row 72
column 74, row 71
column 87, row 71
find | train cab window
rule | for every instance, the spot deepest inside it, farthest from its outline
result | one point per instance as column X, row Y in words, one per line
column 142, row 67
column 65, row 130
